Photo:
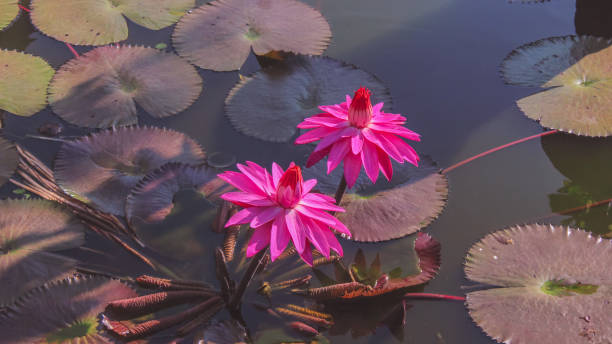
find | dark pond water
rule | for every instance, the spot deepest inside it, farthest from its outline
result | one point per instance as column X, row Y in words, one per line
column 440, row 59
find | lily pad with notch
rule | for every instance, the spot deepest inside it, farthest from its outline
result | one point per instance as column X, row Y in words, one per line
column 536, row 63
column 30, row 231
column 9, row 10
column 99, row 22
column 24, row 80
column 219, row 35
column 102, row 88
column 551, row 284
column 65, row 311
column 578, row 100
column 387, row 210
column 270, row 104
column 8, row 160
column 103, row 167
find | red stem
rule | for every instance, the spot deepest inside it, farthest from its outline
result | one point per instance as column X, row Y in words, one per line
column 70, row 47
column 434, row 296
column 493, row 150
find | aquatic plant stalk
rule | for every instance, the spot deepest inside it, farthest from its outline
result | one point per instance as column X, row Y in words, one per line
column 70, row 47
column 341, row 190
column 493, row 150
column 255, row 265
column 433, row 296
column 150, row 282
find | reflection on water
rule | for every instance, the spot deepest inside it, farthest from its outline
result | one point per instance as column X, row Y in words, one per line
column 17, row 35
column 593, row 17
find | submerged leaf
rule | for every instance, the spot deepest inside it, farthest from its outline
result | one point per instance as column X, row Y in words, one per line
column 579, row 101
column 24, row 80
column 388, row 210
column 8, row 12
column 29, row 231
column 554, row 285
column 271, row 103
column 536, row 63
column 8, row 160
column 219, row 35
column 103, row 167
column 98, row 22
column 62, row 312
column 101, row 88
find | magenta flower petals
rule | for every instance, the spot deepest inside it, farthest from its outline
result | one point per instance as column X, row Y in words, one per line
column 281, row 208
column 358, row 133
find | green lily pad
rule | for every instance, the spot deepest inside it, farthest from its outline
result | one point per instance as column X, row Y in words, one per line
column 103, row 167
column 29, row 231
column 579, row 101
column 536, row 63
column 101, row 88
column 8, row 160
column 271, row 103
column 24, row 80
column 99, row 22
column 219, row 35
column 554, row 285
column 8, row 12
column 65, row 311
column 387, row 210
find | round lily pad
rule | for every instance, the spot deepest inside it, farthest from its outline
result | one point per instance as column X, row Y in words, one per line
column 271, row 103
column 65, row 311
column 387, row 210
column 554, row 285
column 29, row 231
column 99, row 22
column 24, row 80
column 536, row 63
column 219, row 35
column 101, row 88
column 8, row 12
column 579, row 101
column 8, row 160
column 152, row 199
column 103, row 167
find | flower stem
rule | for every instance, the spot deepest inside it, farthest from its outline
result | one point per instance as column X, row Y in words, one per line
column 493, row 150
column 257, row 264
column 433, row 296
column 341, row 190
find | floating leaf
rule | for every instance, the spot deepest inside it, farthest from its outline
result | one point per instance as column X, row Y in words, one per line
column 98, row 22
column 8, row 160
column 271, row 103
column 29, row 231
column 62, row 312
column 554, row 285
column 24, row 80
column 579, row 101
column 536, row 63
column 103, row 167
column 101, row 88
column 219, row 35
column 8, row 12
column 388, row 210
column 151, row 200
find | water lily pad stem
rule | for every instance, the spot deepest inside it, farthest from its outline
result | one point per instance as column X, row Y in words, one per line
column 257, row 264
column 433, row 296
column 341, row 190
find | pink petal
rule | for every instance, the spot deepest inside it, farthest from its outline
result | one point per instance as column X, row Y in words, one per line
column 352, row 167
column 247, row 199
column 334, row 137
column 321, row 198
column 357, row 143
column 407, row 152
column 397, row 130
column 306, row 255
column 333, row 242
column 385, row 164
column 259, row 240
column 314, row 202
column 265, row 215
column 322, row 217
column 277, row 173
column 279, row 237
column 308, row 185
column 295, row 228
column 241, row 217
column 314, row 135
column 337, row 111
column 241, row 182
column 318, row 238
column 325, row 120
column 369, row 157
column 336, row 154
column 317, row 156
column 376, row 108
column 255, row 175
column 382, row 142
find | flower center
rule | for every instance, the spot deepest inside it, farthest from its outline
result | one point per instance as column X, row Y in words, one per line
column 289, row 191
column 360, row 111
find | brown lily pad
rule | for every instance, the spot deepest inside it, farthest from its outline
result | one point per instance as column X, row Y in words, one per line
column 29, row 231
column 219, row 35
column 65, row 311
column 388, row 210
column 8, row 160
column 553, row 285
column 101, row 88
column 99, row 22
column 103, row 167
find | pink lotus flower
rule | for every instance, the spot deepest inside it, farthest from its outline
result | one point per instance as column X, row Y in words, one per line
column 359, row 134
column 280, row 207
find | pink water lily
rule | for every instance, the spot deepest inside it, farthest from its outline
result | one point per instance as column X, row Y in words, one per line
column 281, row 208
column 359, row 134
